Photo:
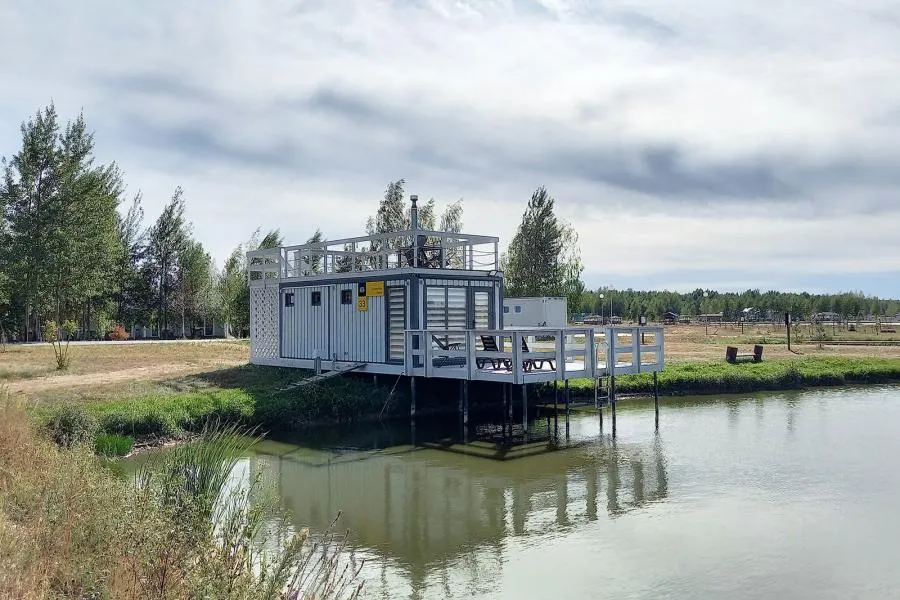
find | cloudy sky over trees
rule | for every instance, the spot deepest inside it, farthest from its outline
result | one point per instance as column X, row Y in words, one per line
column 690, row 142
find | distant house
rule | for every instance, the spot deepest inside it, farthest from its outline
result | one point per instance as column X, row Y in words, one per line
column 670, row 318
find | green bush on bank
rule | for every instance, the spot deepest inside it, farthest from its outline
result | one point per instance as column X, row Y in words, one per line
column 252, row 399
column 722, row 377
column 249, row 395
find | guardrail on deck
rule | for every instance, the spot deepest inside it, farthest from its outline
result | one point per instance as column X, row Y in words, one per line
column 552, row 354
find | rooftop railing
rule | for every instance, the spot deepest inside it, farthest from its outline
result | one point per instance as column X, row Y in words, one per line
column 402, row 249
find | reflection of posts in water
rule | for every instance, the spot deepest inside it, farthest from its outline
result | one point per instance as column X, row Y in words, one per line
column 562, row 501
column 590, row 484
column 613, row 481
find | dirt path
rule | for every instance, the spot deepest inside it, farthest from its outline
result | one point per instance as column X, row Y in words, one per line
column 54, row 382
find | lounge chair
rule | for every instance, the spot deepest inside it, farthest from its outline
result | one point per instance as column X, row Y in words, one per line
column 447, row 361
column 534, row 363
column 489, row 343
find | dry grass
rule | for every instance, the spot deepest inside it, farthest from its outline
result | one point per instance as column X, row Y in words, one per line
column 69, row 528
column 685, row 343
column 30, row 369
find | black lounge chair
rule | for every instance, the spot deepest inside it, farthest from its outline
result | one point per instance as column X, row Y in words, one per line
column 489, row 343
column 447, row 361
column 534, row 363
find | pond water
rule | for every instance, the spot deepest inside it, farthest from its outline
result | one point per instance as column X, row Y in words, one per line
column 790, row 495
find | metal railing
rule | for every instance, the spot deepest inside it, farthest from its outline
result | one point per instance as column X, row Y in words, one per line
column 546, row 354
column 396, row 250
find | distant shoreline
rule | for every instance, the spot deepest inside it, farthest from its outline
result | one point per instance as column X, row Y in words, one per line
column 705, row 377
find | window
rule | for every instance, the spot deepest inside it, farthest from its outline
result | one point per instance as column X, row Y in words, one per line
column 289, row 299
column 505, row 310
column 346, row 296
column 316, row 299
column 518, row 309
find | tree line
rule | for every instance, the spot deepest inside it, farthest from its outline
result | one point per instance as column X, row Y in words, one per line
column 74, row 245
column 631, row 304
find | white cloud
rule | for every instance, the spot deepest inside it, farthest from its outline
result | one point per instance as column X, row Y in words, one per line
column 759, row 134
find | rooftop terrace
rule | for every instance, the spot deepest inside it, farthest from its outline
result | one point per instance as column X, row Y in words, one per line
column 409, row 249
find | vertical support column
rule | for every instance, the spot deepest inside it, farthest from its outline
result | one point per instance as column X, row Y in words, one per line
column 612, row 401
column 510, row 406
column 412, row 394
column 459, row 408
column 525, row 409
column 656, row 397
column 466, row 403
column 567, row 407
column 504, row 410
column 555, row 407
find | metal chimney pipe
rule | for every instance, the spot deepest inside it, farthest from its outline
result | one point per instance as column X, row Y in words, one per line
column 414, row 212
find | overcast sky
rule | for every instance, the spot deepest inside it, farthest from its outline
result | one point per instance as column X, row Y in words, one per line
column 692, row 143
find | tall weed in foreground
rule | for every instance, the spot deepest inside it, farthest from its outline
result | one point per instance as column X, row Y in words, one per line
column 56, row 335
column 184, row 527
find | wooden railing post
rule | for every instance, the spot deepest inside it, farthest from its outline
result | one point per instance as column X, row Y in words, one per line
column 429, row 351
column 470, row 351
column 636, row 344
column 517, row 357
column 590, row 353
column 560, row 353
column 611, row 350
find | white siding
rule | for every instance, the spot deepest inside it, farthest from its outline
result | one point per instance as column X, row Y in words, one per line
column 305, row 328
column 357, row 335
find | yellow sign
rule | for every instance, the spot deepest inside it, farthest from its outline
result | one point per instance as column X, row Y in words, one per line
column 374, row 288
column 362, row 303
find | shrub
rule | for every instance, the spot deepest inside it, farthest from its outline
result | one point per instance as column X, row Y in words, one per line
column 118, row 333
column 70, row 425
column 112, row 445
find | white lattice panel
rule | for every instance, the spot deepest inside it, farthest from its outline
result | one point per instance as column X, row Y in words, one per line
column 264, row 322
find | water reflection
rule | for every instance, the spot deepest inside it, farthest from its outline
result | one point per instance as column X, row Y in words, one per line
column 429, row 513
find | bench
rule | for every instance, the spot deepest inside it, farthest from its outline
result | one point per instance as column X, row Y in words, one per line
column 732, row 356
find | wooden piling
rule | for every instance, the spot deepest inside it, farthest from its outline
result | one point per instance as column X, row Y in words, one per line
column 412, row 393
column 510, row 406
column 525, row 408
column 555, row 406
column 567, row 407
column 465, row 402
column 656, row 398
column 612, row 401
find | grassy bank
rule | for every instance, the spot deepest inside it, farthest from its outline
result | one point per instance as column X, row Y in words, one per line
column 248, row 395
column 70, row 528
column 720, row 377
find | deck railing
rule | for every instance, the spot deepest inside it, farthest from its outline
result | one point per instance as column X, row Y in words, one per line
column 552, row 354
column 396, row 250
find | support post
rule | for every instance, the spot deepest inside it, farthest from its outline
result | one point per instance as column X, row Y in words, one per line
column 567, row 407
column 510, row 407
column 525, row 409
column 656, row 397
column 787, row 324
column 465, row 403
column 555, row 406
column 503, row 411
column 612, row 401
column 459, row 409
column 412, row 393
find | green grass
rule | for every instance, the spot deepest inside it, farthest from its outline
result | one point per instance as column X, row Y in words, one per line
column 246, row 395
column 723, row 378
column 111, row 445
